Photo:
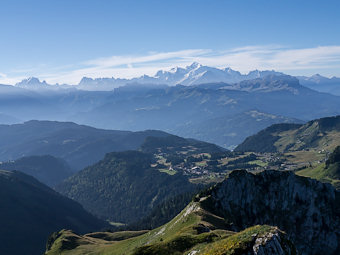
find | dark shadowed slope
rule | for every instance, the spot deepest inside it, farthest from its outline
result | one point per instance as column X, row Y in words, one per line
column 79, row 145
column 47, row 169
column 30, row 212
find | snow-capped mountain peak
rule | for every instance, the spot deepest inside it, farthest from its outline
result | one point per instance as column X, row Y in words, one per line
column 31, row 83
column 192, row 74
column 194, row 65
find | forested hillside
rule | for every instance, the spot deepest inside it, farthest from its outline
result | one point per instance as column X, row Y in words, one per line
column 123, row 187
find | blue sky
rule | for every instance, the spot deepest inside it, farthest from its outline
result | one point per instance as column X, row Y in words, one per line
column 61, row 41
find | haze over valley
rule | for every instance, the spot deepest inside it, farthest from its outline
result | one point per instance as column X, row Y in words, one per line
column 234, row 105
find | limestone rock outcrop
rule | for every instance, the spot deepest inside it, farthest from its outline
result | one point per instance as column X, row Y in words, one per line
column 306, row 209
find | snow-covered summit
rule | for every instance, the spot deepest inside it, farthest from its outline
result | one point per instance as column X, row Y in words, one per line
column 31, row 82
column 197, row 73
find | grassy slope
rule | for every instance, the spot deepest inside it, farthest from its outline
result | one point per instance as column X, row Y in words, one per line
column 320, row 134
column 323, row 141
column 69, row 242
column 240, row 243
column 320, row 173
column 183, row 230
column 181, row 235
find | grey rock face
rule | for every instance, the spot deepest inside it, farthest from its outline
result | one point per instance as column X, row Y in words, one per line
column 272, row 243
column 304, row 208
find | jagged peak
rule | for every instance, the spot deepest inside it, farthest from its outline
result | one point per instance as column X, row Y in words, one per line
column 194, row 65
column 86, row 79
column 31, row 81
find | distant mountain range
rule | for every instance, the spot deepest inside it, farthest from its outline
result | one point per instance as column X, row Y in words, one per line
column 182, row 109
column 321, row 83
column 232, row 104
column 234, row 111
column 190, row 75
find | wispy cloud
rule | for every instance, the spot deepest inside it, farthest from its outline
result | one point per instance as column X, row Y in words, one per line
column 305, row 61
column 4, row 79
column 151, row 57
